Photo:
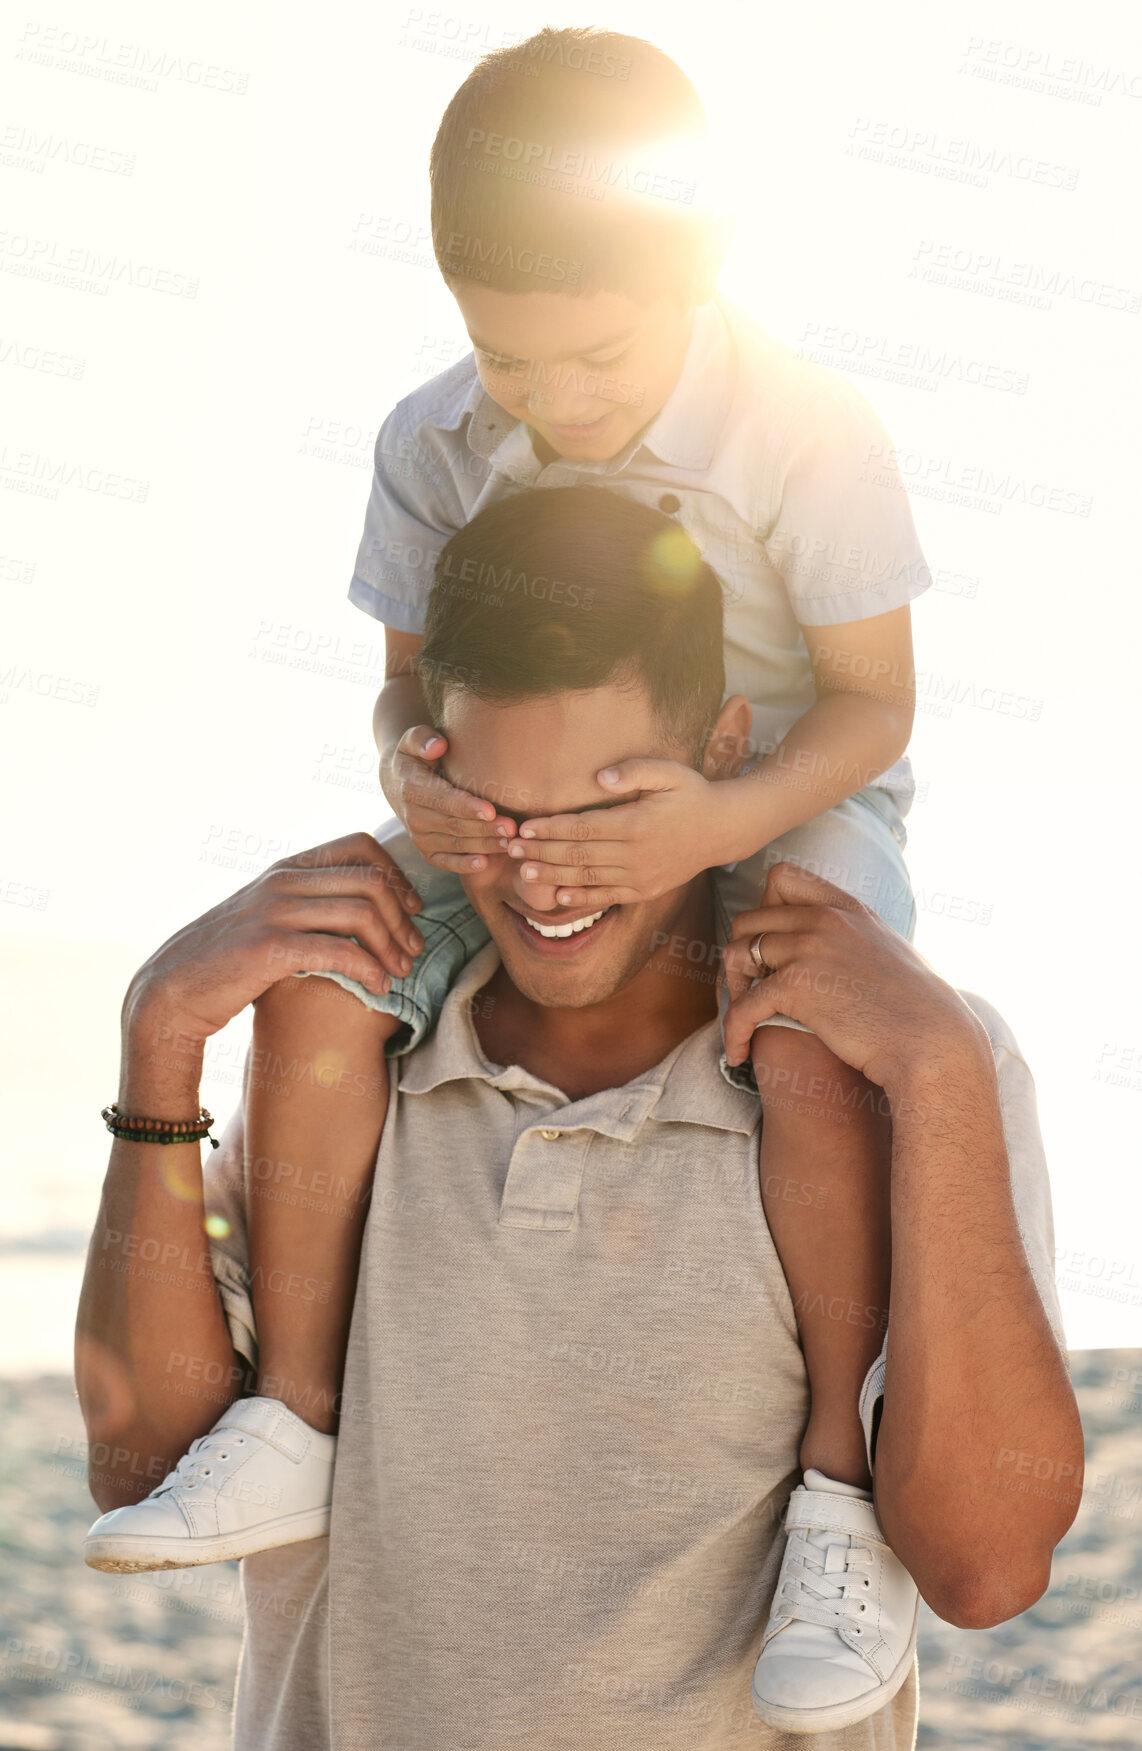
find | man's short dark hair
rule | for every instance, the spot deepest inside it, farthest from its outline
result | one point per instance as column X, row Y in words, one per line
column 572, row 162
column 568, row 588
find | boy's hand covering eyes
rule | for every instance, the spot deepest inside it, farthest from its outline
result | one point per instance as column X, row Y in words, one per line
column 449, row 827
column 634, row 851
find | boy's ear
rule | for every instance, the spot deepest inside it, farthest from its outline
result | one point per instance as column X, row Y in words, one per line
column 731, row 740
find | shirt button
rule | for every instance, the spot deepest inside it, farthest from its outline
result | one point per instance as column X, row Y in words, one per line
column 550, row 1136
column 669, row 503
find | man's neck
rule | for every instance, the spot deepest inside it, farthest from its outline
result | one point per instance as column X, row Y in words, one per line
column 608, row 1044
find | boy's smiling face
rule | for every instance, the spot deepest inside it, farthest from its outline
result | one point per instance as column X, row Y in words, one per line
column 585, row 372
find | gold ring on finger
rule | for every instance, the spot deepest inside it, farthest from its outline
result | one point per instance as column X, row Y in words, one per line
column 756, row 955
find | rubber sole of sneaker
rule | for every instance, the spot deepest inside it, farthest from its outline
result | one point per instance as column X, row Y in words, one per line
column 840, row 1714
column 134, row 1556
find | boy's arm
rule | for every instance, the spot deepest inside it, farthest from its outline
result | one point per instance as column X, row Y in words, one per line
column 865, row 679
column 413, row 508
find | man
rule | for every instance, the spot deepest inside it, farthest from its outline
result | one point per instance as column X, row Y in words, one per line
column 574, row 1391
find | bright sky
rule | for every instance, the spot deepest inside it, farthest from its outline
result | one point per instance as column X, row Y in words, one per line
column 216, row 280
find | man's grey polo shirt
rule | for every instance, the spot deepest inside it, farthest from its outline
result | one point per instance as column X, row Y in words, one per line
column 573, row 1403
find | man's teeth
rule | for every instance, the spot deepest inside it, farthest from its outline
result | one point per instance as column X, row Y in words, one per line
column 566, row 929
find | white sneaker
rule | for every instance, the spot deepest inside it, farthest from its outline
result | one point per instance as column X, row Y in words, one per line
column 260, row 1478
column 842, row 1626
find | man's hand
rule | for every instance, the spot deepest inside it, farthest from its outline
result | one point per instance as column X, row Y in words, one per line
column 841, row 971
column 634, row 851
column 297, row 916
column 449, row 827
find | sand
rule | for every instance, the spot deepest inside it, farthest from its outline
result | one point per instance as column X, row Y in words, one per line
column 94, row 1661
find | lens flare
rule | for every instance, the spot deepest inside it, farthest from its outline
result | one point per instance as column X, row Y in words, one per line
column 183, row 1183
column 673, row 562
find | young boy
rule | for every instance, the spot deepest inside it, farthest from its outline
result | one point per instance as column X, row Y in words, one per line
column 572, row 226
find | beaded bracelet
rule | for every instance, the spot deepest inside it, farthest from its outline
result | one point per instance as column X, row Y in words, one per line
column 138, row 1130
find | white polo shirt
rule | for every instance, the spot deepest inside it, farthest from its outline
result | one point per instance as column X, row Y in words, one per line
column 779, row 471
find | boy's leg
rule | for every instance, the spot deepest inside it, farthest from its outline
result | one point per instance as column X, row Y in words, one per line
column 826, row 1140
column 824, row 1167
column 825, row 1171
column 452, row 934
column 316, row 1100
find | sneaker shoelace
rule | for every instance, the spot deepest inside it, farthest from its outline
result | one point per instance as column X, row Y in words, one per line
column 821, row 1582
column 193, row 1466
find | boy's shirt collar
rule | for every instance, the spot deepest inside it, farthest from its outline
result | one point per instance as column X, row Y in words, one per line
column 683, row 434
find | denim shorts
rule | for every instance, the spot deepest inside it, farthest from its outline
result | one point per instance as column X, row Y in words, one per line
column 858, row 845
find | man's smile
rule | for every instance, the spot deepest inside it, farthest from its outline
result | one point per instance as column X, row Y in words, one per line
column 555, row 935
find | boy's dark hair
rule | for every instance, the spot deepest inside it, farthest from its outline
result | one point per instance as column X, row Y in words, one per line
column 568, row 588
column 572, row 162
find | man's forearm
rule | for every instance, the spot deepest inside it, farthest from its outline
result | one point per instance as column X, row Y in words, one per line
column 974, row 1373
column 149, row 1294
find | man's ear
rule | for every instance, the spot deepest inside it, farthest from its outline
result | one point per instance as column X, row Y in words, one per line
column 731, row 740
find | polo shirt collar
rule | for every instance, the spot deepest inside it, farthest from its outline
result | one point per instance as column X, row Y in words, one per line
column 691, row 1085
column 684, row 433
column 686, row 429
